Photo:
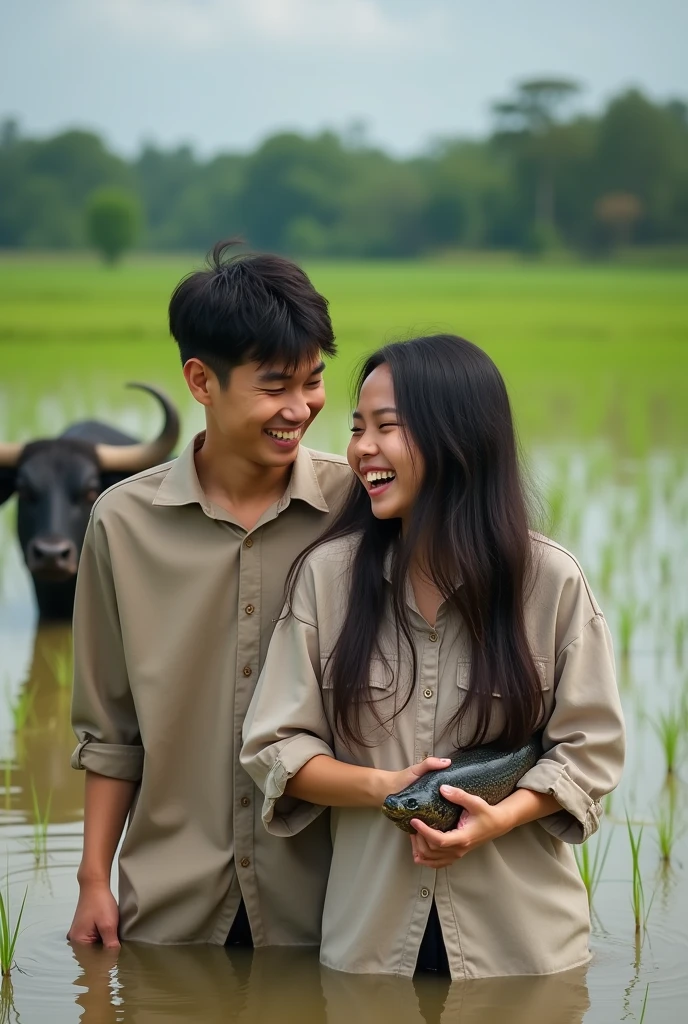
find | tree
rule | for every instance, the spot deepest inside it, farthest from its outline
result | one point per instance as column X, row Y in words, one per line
column 528, row 123
column 112, row 221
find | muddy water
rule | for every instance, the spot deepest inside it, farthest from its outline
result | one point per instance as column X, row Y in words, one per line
column 627, row 519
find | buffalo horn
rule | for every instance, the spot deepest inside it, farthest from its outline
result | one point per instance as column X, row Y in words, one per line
column 132, row 458
column 9, row 453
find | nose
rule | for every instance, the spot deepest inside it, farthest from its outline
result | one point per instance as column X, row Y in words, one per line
column 363, row 445
column 298, row 410
column 47, row 555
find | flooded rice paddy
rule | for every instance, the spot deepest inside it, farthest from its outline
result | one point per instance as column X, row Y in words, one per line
column 615, row 492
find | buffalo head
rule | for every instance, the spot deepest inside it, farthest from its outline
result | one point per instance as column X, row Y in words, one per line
column 57, row 481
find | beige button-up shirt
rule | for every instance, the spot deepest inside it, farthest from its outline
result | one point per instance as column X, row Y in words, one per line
column 513, row 906
column 175, row 605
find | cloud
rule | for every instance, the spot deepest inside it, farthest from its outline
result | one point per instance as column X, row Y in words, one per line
column 211, row 25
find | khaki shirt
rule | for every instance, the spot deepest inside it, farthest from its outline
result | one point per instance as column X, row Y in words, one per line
column 175, row 605
column 513, row 906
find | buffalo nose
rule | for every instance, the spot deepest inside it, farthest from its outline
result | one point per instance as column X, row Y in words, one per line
column 52, row 553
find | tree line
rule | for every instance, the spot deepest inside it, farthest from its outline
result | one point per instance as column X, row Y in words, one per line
column 545, row 177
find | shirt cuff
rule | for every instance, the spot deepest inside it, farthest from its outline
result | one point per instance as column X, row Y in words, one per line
column 115, row 760
column 580, row 814
column 285, row 815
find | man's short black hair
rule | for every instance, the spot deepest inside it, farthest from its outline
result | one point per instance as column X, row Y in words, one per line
column 249, row 307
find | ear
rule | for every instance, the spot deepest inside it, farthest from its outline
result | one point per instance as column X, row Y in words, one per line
column 8, row 482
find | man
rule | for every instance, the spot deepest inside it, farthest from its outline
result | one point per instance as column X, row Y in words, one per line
column 180, row 581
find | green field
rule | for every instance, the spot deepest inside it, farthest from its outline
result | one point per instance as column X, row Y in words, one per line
column 596, row 358
column 587, row 351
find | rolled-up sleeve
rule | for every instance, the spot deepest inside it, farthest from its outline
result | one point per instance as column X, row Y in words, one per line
column 286, row 724
column 103, row 712
column 584, row 738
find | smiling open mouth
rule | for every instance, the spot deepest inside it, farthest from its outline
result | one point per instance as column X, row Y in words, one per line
column 379, row 480
column 285, row 438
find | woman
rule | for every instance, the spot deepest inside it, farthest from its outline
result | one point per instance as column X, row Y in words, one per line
column 428, row 618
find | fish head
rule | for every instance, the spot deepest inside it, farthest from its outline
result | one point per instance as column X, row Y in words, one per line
column 402, row 807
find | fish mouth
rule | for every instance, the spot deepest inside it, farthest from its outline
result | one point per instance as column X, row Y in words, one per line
column 399, row 814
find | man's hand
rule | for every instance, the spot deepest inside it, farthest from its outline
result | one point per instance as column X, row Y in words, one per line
column 96, row 917
column 479, row 823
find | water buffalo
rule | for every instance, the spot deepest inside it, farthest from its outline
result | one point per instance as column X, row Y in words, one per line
column 57, row 481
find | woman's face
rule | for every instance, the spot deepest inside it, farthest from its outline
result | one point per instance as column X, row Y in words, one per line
column 384, row 459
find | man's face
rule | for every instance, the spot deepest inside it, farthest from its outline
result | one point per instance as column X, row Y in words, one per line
column 264, row 411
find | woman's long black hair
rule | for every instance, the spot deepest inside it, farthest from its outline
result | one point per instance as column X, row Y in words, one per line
column 469, row 520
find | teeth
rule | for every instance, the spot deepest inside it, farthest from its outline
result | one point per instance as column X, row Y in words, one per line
column 285, row 435
column 375, row 475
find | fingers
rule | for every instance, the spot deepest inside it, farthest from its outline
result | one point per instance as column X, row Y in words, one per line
column 108, row 934
column 82, row 938
column 466, row 800
column 431, row 764
column 431, row 838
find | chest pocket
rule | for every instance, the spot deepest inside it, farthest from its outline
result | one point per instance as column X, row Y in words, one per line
column 463, row 674
column 497, row 721
column 382, row 675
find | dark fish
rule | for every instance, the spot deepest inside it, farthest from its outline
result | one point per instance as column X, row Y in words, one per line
column 485, row 772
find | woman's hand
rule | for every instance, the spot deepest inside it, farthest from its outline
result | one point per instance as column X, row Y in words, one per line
column 479, row 823
column 394, row 782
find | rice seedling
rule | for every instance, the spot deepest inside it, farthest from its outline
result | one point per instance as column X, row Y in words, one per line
column 641, row 911
column 61, row 664
column 680, row 637
column 607, row 567
column 9, row 933
column 667, row 833
column 630, row 617
column 41, row 820
column 556, row 503
column 669, row 728
column 591, row 867
column 20, row 708
column 644, row 504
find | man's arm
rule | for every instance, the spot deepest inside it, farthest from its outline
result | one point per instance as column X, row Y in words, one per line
column 106, row 805
column 105, row 721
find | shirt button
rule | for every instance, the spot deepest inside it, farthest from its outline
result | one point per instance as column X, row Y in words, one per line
column 424, row 892
column 427, row 692
column 433, row 637
column 248, row 542
column 245, row 802
column 247, row 670
column 244, row 862
column 249, row 609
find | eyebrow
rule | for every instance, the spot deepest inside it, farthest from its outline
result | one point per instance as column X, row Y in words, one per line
column 376, row 412
column 270, row 376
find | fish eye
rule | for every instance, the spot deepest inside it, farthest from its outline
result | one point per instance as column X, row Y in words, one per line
column 411, row 803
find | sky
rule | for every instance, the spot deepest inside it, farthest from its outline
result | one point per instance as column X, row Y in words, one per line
column 223, row 74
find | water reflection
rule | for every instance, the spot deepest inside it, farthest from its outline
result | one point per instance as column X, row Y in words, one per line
column 142, row 984
column 40, row 773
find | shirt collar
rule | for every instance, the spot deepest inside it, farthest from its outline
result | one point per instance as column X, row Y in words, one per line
column 181, row 485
